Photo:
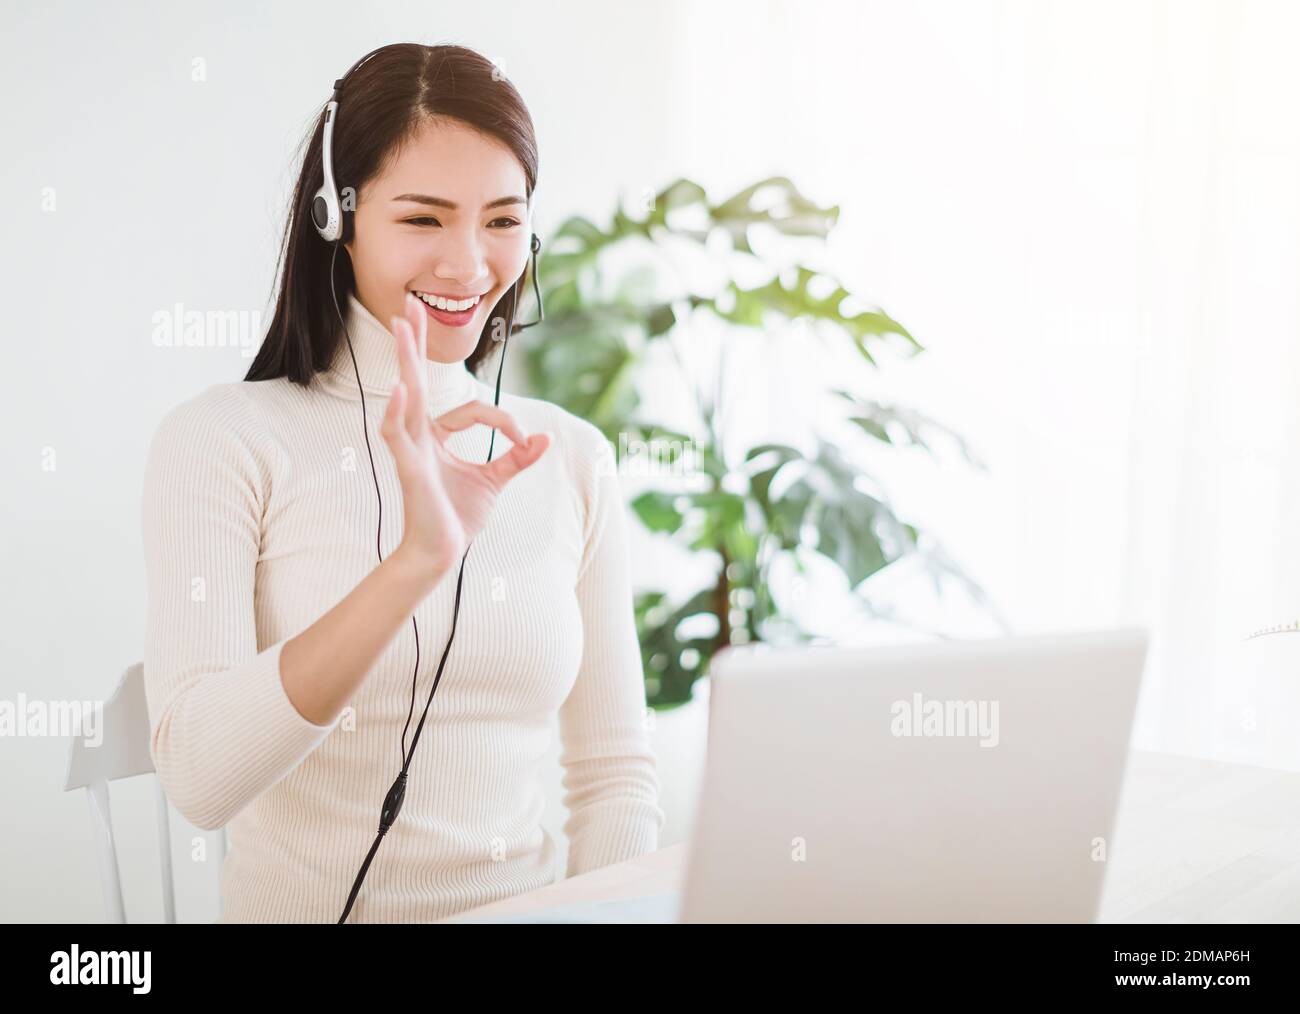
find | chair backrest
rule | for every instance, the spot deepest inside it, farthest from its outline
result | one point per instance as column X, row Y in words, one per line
column 123, row 752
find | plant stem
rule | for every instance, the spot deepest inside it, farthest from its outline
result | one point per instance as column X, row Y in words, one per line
column 722, row 604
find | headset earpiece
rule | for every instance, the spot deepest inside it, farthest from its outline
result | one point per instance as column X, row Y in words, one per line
column 331, row 219
column 326, row 214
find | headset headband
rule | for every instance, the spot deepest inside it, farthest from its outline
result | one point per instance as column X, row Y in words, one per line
column 326, row 209
column 338, row 85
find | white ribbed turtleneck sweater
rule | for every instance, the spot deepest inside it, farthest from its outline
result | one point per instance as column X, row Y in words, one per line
column 259, row 515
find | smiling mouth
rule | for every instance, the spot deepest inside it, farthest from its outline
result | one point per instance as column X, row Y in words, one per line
column 439, row 308
column 455, row 306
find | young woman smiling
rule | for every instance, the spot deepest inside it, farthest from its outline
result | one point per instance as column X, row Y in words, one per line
column 280, row 693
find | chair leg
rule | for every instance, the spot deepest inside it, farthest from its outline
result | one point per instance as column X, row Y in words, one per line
column 101, row 821
column 165, row 855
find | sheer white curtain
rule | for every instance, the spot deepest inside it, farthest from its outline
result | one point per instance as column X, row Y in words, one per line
column 1090, row 215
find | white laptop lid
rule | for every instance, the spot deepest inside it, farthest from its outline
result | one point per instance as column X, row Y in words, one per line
column 851, row 784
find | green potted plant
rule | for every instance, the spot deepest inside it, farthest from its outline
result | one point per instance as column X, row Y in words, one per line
column 612, row 296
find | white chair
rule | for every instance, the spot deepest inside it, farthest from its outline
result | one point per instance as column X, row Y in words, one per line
column 123, row 752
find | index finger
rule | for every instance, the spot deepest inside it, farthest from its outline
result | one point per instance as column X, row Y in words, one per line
column 419, row 319
column 414, row 375
column 466, row 415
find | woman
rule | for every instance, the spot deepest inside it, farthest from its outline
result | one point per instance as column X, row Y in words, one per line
column 285, row 689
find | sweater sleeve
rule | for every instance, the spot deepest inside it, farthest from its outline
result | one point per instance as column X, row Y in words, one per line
column 610, row 779
column 223, row 729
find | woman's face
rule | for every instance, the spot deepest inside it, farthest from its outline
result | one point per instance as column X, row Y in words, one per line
column 446, row 217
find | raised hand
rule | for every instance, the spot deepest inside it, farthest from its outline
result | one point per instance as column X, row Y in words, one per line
column 445, row 501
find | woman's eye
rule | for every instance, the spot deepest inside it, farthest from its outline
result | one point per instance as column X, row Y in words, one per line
column 420, row 220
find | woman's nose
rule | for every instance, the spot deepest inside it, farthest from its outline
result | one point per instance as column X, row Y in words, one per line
column 461, row 260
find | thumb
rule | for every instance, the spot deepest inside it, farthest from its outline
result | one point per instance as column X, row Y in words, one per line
column 520, row 457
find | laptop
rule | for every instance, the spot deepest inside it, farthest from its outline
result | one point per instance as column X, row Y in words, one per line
column 954, row 781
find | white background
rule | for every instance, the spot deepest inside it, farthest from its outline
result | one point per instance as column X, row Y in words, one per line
column 1087, row 213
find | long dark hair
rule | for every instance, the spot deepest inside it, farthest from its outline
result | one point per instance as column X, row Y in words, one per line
column 381, row 105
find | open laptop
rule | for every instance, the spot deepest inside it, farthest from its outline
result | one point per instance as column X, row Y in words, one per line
column 956, row 781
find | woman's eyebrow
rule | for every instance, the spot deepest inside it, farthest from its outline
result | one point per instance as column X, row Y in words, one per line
column 442, row 202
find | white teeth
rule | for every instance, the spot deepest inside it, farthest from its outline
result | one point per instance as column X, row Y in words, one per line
column 442, row 303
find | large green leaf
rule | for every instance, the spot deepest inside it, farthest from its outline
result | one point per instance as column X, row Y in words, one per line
column 795, row 301
column 666, row 651
column 657, row 511
column 774, row 202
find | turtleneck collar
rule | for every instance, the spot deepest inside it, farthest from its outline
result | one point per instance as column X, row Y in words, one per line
column 450, row 384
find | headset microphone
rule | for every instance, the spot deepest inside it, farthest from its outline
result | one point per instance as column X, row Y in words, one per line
column 334, row 223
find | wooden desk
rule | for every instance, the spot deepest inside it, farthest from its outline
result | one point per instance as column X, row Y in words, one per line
column 1195, row 841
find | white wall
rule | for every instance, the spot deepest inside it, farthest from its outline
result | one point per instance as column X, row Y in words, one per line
column 1085, row 211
